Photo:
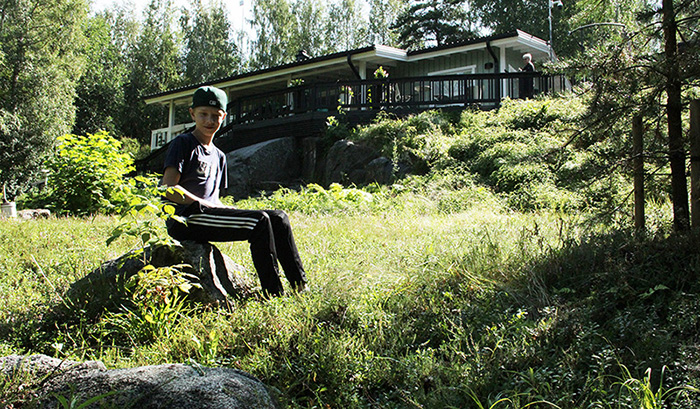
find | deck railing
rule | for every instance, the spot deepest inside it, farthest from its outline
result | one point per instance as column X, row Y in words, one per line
column 393, row 94
column 409, row 94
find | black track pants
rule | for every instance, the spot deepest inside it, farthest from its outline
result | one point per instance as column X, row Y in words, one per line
column 268, row 232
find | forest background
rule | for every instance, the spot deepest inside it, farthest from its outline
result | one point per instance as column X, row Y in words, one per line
column 65, row 69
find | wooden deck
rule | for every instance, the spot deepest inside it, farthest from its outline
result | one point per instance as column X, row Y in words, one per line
column 415, row 94
column 302, row 111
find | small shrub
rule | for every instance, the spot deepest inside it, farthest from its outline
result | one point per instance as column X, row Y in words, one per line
column 420, row 141
column 519, row 175
column 134, row 148
column 158, row 296
column 87, row 175
column 144, row 215
column 313, row 198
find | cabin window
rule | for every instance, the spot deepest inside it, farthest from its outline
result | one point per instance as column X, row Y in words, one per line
column 469, row 69
column 455, row 89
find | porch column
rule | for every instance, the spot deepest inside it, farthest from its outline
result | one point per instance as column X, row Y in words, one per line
column 289, row 98
column 503, row 68
column 363, row 75
column 171, row 120
column 363, row 70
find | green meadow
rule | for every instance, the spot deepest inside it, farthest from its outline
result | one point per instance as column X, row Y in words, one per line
column 507, row 275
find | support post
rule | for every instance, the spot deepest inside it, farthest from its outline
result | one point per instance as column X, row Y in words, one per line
column 695, row 163
column 638, row 164
column 171, row 121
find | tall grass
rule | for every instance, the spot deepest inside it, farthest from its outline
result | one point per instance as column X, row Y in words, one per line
column 418, row 298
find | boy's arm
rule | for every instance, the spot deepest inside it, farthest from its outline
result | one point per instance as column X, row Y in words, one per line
column 180, row 195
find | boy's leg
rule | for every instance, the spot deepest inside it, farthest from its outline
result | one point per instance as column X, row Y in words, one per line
column 287, row 252
column 226, row 224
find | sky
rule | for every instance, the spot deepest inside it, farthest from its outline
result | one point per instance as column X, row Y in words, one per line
column 238, row 10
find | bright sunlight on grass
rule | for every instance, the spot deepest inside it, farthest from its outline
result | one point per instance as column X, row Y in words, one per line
column 408, row 306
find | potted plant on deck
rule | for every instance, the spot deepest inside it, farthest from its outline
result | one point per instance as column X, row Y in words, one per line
column 376, row 92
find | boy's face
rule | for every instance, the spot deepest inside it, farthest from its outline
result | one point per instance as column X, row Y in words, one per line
column 207, row 119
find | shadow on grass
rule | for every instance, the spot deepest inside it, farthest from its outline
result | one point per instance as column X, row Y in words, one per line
column 611, row 303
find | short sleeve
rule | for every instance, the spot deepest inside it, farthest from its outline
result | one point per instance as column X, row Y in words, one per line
column 175, row 156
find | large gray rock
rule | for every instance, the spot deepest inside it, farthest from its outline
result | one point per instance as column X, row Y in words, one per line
column 263, row 166
column 380, row 170
column 171, row 386
column 219, row 277
column 346, row 163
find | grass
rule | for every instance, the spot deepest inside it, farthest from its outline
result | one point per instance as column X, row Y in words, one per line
column 415, row 301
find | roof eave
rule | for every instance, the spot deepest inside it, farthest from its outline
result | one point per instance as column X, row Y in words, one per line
column 367, row 53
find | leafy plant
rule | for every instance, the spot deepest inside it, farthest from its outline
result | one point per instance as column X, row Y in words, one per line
column 345, row 97
column 87, row 175
column 74, row 402
column 420, row 141
column 380, row 73
column 296, row 82
column 17, row 389
column 314, row 198
column 644, row 395
column 144, row 215
column 158, row 296
column 207, row 348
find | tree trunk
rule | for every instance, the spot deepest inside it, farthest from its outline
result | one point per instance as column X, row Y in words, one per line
column 695, row 163
column 638, row 155
column 679, row 184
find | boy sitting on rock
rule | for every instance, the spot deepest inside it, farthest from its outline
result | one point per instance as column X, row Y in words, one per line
column 195, row 169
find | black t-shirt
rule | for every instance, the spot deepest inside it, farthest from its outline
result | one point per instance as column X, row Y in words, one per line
column 202, row 169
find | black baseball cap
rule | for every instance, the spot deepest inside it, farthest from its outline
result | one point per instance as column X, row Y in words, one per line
column 210, row 97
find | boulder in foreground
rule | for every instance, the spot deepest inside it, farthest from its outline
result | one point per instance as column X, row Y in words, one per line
column 171, row 386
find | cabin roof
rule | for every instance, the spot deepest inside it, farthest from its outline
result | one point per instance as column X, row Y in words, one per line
column 326, row 67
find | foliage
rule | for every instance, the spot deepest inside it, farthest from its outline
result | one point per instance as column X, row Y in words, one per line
column 421, row 141
column 283, row 28
column 210, row 52
column 382, row 15
column 523, row 151
column 308, row 33
column 134, row 148
column 144, row 216
column 644, row 394
column 594, row 24
column 433, row 22
column 313, row 198
column 531, row 16
column 39, row 67
column 17, row 389
column 410, row 301
column 74, row 402
column 100, row 90
column 380, row 73
column 641, row 71
column 158, row 304
column 153, row 62
column 274, row 25
column 345, row 26
column 86, row 175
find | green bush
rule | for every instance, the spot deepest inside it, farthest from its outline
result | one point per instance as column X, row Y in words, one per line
column 313, row 198
column 420, row 141
column 87, row 175
column 536, row 154
column 134, row 148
